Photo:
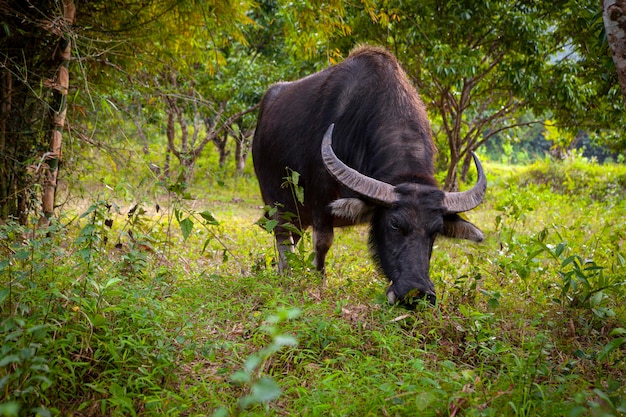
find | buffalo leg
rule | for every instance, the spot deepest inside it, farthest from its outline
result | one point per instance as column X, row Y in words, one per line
column 322, row 240
column 284, row 246
column 285, row 242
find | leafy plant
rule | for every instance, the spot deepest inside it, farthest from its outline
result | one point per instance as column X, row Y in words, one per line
column 90, row 328
column 300, row 259
column 262, row 388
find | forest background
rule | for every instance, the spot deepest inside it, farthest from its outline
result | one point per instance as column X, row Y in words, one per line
column 125, row 182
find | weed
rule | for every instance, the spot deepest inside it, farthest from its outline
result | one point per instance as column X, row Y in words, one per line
column 131, row 312
column 261, row 388
column 298, row 258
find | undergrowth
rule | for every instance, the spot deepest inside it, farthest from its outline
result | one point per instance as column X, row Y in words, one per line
column 174, row 307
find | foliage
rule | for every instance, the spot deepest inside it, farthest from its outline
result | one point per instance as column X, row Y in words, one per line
column 29, row 35
column 587, row 93
column 561, row 140
column 577, row 175
column 139, row 301
column 123, row 312
column 263, row 389
column 475, row 64
column 483, row 67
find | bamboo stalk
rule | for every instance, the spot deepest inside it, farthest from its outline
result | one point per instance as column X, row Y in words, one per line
column 61, row 86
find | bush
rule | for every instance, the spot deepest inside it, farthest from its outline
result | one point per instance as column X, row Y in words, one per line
column 605, row 182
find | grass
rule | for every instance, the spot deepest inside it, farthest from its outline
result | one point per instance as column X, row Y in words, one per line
column 118, row 314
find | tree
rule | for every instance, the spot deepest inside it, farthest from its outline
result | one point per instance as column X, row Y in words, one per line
column 581, row 91
column 60, row 85
column 614, row 16
column 472, row 62
column 116, row 43
column 181, row 66
column 191, row 106
column 34, row 91
column 481, row 66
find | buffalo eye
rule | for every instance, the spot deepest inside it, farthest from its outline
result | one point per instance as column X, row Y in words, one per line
column 397, row 225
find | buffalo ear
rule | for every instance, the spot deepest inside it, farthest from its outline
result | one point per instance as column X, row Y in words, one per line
column 353, row 209
column 457, row 227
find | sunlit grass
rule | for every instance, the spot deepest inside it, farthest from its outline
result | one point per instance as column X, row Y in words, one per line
column 134, row 319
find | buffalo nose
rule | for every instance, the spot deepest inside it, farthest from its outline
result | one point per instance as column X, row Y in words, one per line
column 412, row 300
column 431, row 298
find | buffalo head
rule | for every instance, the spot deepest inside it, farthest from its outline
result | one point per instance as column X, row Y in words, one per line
column 405, row 220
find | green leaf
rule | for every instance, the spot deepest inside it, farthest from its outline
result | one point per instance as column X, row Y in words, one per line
column 252, row 363
column 4, row 293
column 45, row 382
column 240, row 376
column 596, row 299
column 209, row 218
column 36, row 328
column 220, row 412
column 619, row 331
column 116, row 390
column 291, row 228
column 569, row 260
column 42, row 412
column 89, row 210
column 611, row 346
column 9, row 359
column 110, row 282
column 186, row 225
column 88, row 230
column 27, row 352
column 295, row 178
column 95, row 388
column 85, row 254
column 270, row 225
column 206, row 243
column 559, row 249
column 178, row 214
column 98, row 320
column 10, row 408
column 265, row 390
column 285, row 340
column 576, row 411
column 22, row 254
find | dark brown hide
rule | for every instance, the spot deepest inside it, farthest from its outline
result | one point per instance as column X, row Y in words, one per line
column 381, row 130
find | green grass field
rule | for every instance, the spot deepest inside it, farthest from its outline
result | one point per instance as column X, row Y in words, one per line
column 180, row 311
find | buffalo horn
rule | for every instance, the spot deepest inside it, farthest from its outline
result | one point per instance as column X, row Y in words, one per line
column 377, row 191
column 459, row 202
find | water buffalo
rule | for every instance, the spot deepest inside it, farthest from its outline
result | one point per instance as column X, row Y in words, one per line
column 359, row 136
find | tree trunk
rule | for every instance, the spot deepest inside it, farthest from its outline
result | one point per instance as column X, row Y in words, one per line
column 614, row 16
column 452, row 179
column 185, row 154
column 6, row 84
column 240, row 155
column 137, row 120
column 171, row 147
column 221, row 143
column 467, row 163
column 60, row 85
column 166, row 164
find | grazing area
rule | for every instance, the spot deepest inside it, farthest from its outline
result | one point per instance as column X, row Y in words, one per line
column 169, row 303
column 160, row 162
